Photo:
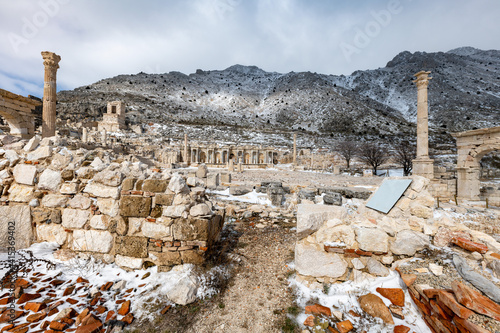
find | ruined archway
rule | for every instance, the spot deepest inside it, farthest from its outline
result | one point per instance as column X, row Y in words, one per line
column 471, row 147
column 18, row 113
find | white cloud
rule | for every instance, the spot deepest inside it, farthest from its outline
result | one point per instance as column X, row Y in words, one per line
column 99, row 39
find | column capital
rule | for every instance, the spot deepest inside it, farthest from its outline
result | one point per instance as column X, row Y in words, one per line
column 423, row 78
column 50, row 59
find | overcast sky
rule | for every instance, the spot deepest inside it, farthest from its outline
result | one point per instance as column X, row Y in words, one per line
column 97, row 39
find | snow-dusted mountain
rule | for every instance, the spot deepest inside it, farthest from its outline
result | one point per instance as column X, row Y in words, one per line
column 247, row 104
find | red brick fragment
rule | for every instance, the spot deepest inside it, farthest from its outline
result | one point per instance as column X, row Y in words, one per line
column 6, row 300
column 309, row 321
column 57, row 326
column 165, row 309
column 8, row 316
column 129, row 318
column 408, row 279
column 438, row 310
column 395, row 295
column 27, row 297
column 470, row 245
column 401, row 329
column 35, row 306
column 94, row 327
column 344, row 326
column 100, row 309
column 110, row 316
column 36, row 317
column 124, row 309
column 475, row 301
column 466, row 326
column 81, row 280
column 450, row 301
column 318, row 309
column 107, row 286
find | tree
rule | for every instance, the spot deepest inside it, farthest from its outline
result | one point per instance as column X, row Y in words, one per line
column 347, row 149
column 373, row 154
column 404, row 154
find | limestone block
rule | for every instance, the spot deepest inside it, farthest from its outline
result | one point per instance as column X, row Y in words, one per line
column 213, row 180
column 182, row 199
column 178, row 185
column 332, row 199
column 4, row 175
column 419, row 183
column 311, row 217
column 314, row 262
column 168, row 258
column 408, row 242
column 80, row 202
column 121, row 225
column 102, row 191
column 59, row 161
column 392, row 226
column 192, row 229
column 109, row 177
column 85, row 173
column 54, row 200
column 25, row 174
column 155, row 230
column 357, row 264
column 202, row 171
column 49, row 180
column 51, row 233
column 32, row 144
column 192, row 257
column 404, row 204
column 69, row 188
column 419, row 210
column 98, row 164
column 376, row 268
column 4, row 163
column 425, row 198
column 20, row 193
column 74, row 218
column 340, row 233
column 11, row 156
column 128, row 184
column 174, row 211
column 225, row 178
column 109, row 207
column 135, row 226
column 40, row 215
column 39, row 153
column 184, row 291
column 18, row 219
column 129, row 246
column 240, row 190
column 129, row 262
column 92, row 240
column 135, row 206
column 100, row 222
column 374, row 240
column 155, row 185
column 200, row 209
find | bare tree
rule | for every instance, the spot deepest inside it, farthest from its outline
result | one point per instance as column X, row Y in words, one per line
column 347, row 149
column 372, row 154
column 404, row 154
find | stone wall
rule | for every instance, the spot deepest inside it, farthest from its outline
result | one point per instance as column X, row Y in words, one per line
column 115, row 210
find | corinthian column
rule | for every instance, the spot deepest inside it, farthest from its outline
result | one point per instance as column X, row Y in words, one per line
column 51, row 64
column 423, row 165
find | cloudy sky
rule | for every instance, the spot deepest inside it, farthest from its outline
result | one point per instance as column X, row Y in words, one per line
column 97, row 39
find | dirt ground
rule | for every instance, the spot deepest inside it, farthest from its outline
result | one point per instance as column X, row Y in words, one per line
column 255, row 299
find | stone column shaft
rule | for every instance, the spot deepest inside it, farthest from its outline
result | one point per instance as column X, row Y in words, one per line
column 51, row 64
column 186, row 157
column 294, row 148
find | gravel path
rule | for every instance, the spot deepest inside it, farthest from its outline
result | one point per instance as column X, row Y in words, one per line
column 257, row 297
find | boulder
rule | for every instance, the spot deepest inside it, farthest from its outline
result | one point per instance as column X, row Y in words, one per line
column 178, row 185
column 184, row 290
column 372, row 239
column 92, row 240
column 312, row 261
column 240, row 190
column 332, row 199
column 74, row 218
column 25, row 174
column 408, row 242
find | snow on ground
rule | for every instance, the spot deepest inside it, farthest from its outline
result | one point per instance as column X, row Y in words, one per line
column 144, row 288
column 343, row 297
column 251, row 197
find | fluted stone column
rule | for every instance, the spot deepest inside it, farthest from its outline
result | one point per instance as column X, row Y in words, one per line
column 294, row 148
column 423, row 165
column 51, row 64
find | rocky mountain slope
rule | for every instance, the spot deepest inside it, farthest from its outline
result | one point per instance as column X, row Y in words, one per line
column 246, row 104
